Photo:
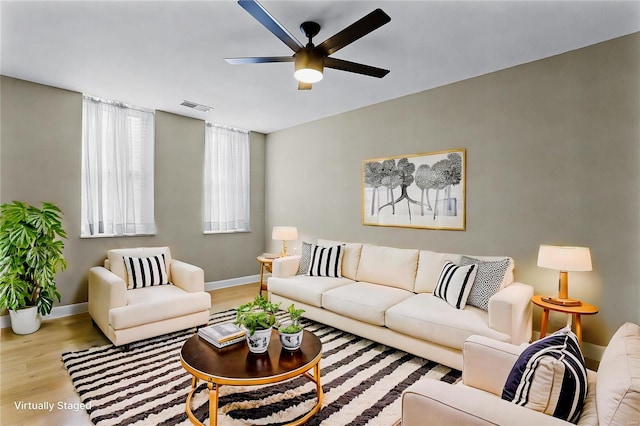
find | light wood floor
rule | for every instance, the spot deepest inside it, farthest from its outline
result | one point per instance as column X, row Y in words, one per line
column 31, row 369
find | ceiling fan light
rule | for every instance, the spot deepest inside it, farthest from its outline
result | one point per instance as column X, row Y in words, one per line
column 308, row 66
column 308, row 75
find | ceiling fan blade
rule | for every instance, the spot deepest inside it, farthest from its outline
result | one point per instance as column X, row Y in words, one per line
column 353, row 32
column 259, row 59
column 256, row 10
column 342, row 65
column 304, row 86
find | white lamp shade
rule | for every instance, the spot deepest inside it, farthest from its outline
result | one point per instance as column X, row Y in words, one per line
column 284, row 233
column 565, row 258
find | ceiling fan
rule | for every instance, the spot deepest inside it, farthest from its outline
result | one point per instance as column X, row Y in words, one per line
column 310, row 60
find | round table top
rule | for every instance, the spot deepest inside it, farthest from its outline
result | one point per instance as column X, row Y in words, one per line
column 583, row 309
column 234, row 364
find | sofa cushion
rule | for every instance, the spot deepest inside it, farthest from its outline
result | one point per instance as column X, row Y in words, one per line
column 364, row 301
column 304, row 288
column 426, row 317
column 326, row 261
column 488, row 280
column 350, row 258
column 618, row 383
column 115, row 262
column 146, row 271
column 430, row 264
column 388, row 266
column 550, row 376
column 152, row 304
column 454, row 283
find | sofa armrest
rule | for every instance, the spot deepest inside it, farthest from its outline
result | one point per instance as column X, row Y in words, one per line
column 510, row 312
column 106, row 291
column 188, row 277
column 447, row 404
column 478, row 352
column 285, row 267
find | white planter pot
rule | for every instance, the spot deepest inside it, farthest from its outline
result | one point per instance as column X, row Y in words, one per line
column 25, row 321
column 259, row 342
column 291, row 342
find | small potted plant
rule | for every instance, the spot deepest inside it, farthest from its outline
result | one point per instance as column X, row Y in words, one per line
column 30, row 256
column 292, row 332
column 257, row 317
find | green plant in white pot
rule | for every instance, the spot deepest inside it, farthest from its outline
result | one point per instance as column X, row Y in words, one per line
column 292, row 332
column 257, row 317
column 30, row 256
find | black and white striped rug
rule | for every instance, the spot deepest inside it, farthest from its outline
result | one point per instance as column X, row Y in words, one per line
column 362, row 383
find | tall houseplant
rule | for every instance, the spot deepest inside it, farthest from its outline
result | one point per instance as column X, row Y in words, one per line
column 30, row 256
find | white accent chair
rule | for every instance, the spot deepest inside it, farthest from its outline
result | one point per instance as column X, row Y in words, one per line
column 476, row 400
column 129, row 315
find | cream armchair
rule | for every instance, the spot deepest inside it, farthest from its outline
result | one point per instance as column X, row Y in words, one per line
column 128, row 315
column 476, row 400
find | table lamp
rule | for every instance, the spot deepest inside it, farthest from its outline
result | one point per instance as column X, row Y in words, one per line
column 564, row 259
column 284, row 233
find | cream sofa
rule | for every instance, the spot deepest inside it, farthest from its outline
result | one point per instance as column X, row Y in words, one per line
column 613, row 393
column 128, row 315
column 385, row 294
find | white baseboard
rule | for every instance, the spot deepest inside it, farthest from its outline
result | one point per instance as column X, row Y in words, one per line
column 79, row 308
column 232, row 282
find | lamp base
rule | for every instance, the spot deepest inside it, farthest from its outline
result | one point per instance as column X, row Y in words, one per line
column 562, row 302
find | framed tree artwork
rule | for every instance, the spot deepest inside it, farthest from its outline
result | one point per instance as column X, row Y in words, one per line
column 415, row 191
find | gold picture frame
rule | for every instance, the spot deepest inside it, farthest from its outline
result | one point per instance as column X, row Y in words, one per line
column 425, row 190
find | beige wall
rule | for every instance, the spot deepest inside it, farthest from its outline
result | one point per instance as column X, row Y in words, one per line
column 40, row 161
column 552, row 158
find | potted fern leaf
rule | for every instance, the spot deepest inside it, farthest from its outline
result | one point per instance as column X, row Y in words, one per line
column 30, row 256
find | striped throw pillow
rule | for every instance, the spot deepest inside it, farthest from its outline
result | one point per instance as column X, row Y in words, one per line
column 146, row 271
column 454, row 283
column 326, row 261
column 550, row 376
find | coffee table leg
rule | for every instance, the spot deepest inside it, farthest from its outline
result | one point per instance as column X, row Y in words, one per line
column 316, row 376
column 213, row 403
column 192, row 418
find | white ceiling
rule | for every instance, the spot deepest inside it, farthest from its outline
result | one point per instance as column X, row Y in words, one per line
column 155, row 54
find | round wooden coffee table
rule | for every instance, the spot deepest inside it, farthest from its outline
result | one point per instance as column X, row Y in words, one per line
column 235, row 365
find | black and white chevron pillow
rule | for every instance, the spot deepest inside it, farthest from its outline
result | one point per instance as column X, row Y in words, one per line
column 550, row 376
column 454, row 283
column 146, row 271
column 488, row 280
column 326, row 261
column 305, row 258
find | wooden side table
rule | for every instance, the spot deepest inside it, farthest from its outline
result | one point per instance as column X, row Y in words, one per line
column 576, row 311
column 265, row 264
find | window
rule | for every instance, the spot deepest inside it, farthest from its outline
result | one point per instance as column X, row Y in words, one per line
column 226, row 179
column 117, row 169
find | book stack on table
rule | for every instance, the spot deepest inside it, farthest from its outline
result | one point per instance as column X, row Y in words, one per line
column 221, row 335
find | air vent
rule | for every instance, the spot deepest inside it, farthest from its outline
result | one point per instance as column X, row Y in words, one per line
column 194, row 105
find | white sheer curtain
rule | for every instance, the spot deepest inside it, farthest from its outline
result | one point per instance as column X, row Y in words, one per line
column 226, row 179
column 117, row 169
